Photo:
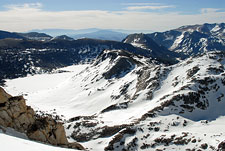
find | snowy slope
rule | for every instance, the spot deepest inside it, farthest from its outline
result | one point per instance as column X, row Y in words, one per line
column 171, row 132
column 12, row 140
column 122, row 98
column 78, row 93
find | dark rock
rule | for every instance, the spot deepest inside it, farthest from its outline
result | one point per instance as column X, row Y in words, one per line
column 221, row 146
column 204, row 146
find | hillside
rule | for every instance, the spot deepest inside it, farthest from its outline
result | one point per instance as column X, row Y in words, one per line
column 6, row 34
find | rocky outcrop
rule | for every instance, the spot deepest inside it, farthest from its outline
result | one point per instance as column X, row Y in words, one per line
column 123, row 62
column 16, row 114
column 3, row 96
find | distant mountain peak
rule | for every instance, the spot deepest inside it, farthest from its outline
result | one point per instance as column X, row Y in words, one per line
column 141, row 40
column 192, row 39
column 145, row 42
column 36, row 36
column 103, row 35
column 62, row 37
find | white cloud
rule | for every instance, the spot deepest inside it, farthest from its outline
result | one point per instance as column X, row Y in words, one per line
column 149, row 7
column 31, row 16
column 145, row 6
column 140, row 4
column 209, row 10
column 24, row 6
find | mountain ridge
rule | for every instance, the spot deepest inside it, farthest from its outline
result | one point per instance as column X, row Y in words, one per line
column 103, row 35
column 145, row 42
column 192, row 39
column 6, row 34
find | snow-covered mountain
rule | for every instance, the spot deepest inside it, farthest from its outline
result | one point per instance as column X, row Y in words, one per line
column 124, row 101
column 192, row 39
column 63, row 37
column 145, row 42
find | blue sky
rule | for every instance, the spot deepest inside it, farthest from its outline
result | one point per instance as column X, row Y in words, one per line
column 156, row 15
column 186, row 6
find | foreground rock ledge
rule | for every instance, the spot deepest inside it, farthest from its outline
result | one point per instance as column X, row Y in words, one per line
column 16, row 114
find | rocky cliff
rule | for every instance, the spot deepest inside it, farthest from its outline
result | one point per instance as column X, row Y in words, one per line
column 16, row 114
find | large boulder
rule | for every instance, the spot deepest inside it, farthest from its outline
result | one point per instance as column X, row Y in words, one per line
column 15, row 114
column 45, row 129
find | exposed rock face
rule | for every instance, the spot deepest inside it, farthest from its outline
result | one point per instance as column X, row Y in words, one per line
column 47, row 130
column 15, row 114
column 123, row 63
column 3, row 96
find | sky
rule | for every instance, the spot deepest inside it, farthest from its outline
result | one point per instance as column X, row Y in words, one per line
column 152, row 15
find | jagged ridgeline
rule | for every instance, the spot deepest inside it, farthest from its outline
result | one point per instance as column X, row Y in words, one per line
column 193, row 39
